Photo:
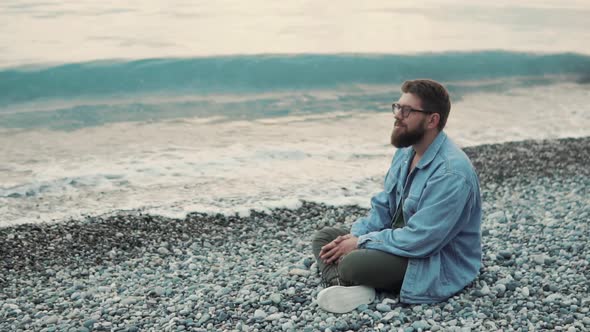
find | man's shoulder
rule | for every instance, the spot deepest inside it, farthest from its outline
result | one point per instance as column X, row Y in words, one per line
column 453, row 160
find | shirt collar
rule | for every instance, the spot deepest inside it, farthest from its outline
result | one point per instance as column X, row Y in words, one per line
column 430, row 153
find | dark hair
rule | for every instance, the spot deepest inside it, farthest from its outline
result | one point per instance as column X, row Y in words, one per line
column 433, row 96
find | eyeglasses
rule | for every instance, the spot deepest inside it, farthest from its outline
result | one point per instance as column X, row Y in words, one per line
column 405, row 110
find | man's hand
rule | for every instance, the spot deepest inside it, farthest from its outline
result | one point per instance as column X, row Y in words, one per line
column 341, row 246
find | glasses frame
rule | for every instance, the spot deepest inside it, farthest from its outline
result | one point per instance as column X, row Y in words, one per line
column 405, row 110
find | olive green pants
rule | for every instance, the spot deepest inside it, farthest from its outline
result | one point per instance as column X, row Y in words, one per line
column 367, row 267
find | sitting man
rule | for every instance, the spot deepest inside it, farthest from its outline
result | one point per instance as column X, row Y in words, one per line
column 422, row 235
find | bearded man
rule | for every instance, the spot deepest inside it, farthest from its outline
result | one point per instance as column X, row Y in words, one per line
column 422, row 236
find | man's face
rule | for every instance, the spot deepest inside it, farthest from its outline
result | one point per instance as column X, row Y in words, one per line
column 409, row 131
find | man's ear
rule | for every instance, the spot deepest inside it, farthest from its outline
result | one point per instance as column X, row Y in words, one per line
column 434, row 120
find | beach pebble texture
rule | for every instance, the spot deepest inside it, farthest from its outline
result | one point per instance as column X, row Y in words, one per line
column 138, row 272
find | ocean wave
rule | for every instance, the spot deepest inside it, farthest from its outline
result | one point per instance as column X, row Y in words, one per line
column 62, row 185
column 255, row 73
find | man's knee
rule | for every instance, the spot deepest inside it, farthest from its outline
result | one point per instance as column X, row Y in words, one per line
column 373, row 268
column 350, row 268
column 326, row 235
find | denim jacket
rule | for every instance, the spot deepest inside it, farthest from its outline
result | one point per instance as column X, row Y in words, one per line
column 442, row 212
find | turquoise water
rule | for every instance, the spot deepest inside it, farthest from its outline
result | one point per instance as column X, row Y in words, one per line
column 173, row 107
column 248, row 74
column 104, row 88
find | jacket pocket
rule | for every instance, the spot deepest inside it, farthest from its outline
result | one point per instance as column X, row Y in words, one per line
column 410, row 206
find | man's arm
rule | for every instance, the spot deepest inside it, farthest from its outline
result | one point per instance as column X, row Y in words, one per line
column 444, row 206
column 375, row 221
column 379, row 217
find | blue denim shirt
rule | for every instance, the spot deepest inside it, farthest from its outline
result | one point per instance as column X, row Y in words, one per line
column 442, row 213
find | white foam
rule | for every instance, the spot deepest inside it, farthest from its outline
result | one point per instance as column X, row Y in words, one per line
column 198, row 165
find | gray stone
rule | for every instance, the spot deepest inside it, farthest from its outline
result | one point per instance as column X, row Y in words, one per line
column 383, row 307
column 553, row 298
column 500, row 288
column 299, row 272
column 499, row 217
column 89, row 323
column 362, row 307
column 129, row 300
column 275, row 316
column 158, row 291
column 421, row 324
column 48, row 320
column 539, row 259
column 340, row 325
column 259, row 314
column 288, row 325
column 204, row 319
column 275, row 298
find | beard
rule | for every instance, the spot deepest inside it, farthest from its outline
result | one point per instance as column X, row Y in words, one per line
column 407, row 138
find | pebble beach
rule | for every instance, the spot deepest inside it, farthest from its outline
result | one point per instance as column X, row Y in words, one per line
column 137, row 272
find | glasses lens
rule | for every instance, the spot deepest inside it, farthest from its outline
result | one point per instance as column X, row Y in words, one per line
column 400, row 110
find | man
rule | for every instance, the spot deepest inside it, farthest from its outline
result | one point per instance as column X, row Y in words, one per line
column 422, row 235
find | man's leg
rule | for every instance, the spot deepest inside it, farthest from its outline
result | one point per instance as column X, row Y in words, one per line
column 368, row 267
column 362, row 269
column 329, row 272
column 373, row 268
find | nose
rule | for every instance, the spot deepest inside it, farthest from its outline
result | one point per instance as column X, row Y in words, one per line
column 398, row 116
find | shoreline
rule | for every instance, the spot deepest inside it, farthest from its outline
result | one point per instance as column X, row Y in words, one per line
column 215, row 272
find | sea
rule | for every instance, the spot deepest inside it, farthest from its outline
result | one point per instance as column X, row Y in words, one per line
column 177, row 106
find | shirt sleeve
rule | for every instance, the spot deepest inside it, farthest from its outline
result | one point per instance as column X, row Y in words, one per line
column 377, row 219
column 443, row 207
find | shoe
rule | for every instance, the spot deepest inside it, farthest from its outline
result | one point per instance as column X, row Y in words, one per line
column 341, row 299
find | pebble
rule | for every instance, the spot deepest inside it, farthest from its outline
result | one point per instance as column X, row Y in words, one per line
column 552, row 298
column 163, row 251
column 259, row 314
column 383, row 307
column 275, row 316
column 498, row 216
column 421, row 325
column 389, row 316
column 275, row 298
column 50, row 320
column 288, row 325
column 485, row 290
column 500, row 288
column 89, row 323
column 539, row 259
column 203, row 319
column 140, row 272
column 299, row 272
column 362, row 307
column 129, row 301
column 340, row 325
